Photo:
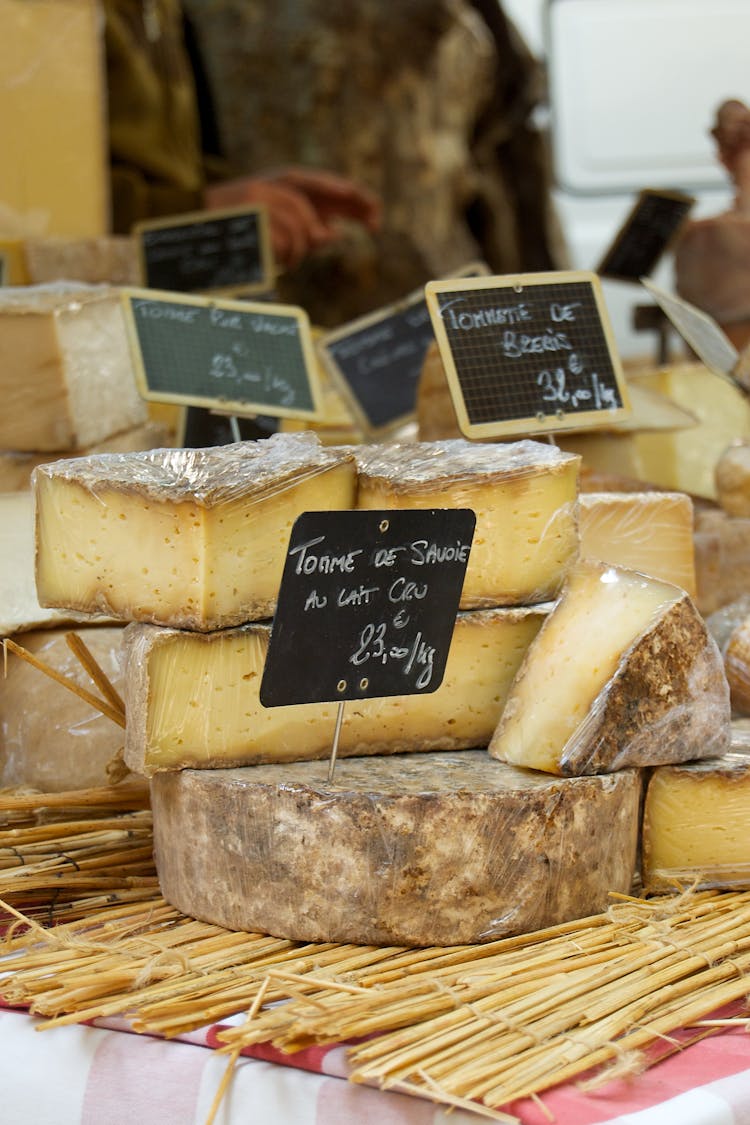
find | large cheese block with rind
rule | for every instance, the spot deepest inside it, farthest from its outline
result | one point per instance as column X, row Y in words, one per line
column 623, row 673
column 695, row 825
column 193, row 538
column 524, row 495
column 417, row 849
column 66, row 375
column 50, row 739
column 193, row 698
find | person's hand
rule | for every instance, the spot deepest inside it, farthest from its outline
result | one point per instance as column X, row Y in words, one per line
column 303, row 206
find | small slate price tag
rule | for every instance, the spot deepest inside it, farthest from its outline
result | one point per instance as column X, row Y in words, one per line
column 528, row 353
column 207, row 252
column 649, row 229
column 237, row 357
column 367, row 605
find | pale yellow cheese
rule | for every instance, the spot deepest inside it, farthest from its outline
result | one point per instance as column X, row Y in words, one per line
column 20, row 610
column 732, row 475
column 50, row 739
column 16, row 468
column 193, row 699
column 66, row 377
column 524, row 496
column 53, row 172
column 111, row 260
column 194, row 538
column 647, row 531
column 414, row 849
column 623, row 673
column 695, row 825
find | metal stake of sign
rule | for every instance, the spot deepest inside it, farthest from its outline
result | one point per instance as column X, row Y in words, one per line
column 336, row 735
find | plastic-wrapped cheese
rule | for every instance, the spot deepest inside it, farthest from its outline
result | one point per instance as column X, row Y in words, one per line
column 647, row 531
column 722, row 558
column 193, row 538
column 49, row 738
column 416, row 849
column 732, row 476
column 622, row 673
column 523, row 493
column 695, row 824
column 66, row 377
column 193, row 698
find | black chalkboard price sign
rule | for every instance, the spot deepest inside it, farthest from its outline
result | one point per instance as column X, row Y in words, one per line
column 367, row 605
column 647, row 233
column 207, row 252
column 376, row 361
column 235, row 356
column 528, row 353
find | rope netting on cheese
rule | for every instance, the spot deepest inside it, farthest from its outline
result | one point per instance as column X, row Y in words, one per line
column 479, row 1026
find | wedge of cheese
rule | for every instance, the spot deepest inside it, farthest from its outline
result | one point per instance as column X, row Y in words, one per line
column 623, row 673
column 695, row 824
column 111, row 260
column 524, row 495
column 416, row 849
column 193, row 538
column 66, row 378
column 193, row 698
column 647, row 531
column 16, row 468
column 49, row 738
column 20, row 610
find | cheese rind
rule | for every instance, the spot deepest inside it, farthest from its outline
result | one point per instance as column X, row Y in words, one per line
column 523, row 494
column 193, row 538
column 193, row 699
column 49, row 738
column 95, row 261
column 66, row 377
column 425, row 849
column 623, row 673
column 737, row 666
column 647, row 531
column 722, row 558
column 695, row 824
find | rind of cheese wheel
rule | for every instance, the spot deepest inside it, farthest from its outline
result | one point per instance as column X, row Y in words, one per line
column 737, row 666
column 419, row 849
column 524, row 497
column 109, row 260
column 49, row 738
column 647, row 531
column 193, row 698
column 193, row 538
column 66, row 377
column 16, row 468
column 20, row 610
column 622, row 673
column 722, row 558
column 732, row 476
column 695, row 824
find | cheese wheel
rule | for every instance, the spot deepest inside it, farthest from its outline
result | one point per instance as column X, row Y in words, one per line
column 425, row 849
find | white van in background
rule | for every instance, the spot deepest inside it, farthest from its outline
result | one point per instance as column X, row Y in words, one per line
column 633, row 90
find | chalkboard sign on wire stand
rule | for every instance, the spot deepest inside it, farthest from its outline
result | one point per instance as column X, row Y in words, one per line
column 235, row 356
column 648, row 231
column 528, row 353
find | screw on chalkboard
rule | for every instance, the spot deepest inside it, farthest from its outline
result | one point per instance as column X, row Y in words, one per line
column 383, row 525
column 341, row 686
column 540, row 415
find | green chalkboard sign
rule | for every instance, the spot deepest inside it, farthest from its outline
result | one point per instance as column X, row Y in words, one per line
column 234, row 356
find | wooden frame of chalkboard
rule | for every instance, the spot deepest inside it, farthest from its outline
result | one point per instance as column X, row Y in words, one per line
column 238, row 357
column 220, row 252
column 528, row 353
column 376, row 360
column 649, row 229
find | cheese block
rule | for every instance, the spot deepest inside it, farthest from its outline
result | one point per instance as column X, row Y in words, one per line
column 722, row 558
column 622, row 673
column 53, row 128
column 732, row 476
column 49, row 738
column 66, row 378
column 416, row 849
column 20, row 610
column 16, row 468
column 737, row 665
column 524, row 495
column 110, row 260
column 193, row 538
column 647, row 531
column 695, row 824
column 193, row 698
